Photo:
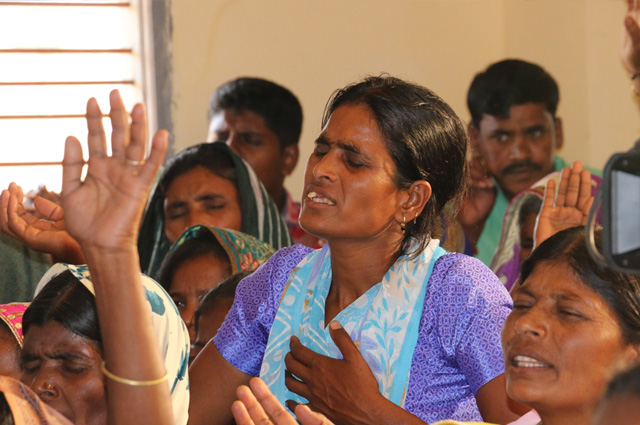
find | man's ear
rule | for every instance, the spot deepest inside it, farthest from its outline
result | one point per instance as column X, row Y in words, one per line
column 289, row 159
column 559, row 133
column 413, row 201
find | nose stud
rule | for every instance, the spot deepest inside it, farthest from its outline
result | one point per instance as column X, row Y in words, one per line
column 48, row 386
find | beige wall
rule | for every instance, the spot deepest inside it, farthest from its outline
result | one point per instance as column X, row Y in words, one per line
column 314, row 47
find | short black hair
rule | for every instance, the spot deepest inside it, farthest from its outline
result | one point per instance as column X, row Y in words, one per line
column 508, row 83
column 67, row 301
column 278, row 106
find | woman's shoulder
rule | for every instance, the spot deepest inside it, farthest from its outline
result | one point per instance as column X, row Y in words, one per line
column 458, row 279
column 463, row 269
column 286, row 259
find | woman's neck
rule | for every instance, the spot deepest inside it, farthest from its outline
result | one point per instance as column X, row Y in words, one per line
column 356, row 268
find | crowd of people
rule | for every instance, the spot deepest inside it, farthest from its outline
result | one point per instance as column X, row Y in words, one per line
column 195, row 290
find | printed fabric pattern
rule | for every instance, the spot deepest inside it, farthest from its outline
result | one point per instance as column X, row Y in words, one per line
column 458, row 348
column 171, row 333
column 382, row 321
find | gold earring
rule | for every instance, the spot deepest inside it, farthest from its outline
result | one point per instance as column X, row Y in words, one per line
column 415, row 219
column 403, row 225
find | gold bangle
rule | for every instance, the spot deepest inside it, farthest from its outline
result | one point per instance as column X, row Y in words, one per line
column 131, row 382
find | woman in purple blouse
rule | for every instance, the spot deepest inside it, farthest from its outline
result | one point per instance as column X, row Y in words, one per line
column 381, row 325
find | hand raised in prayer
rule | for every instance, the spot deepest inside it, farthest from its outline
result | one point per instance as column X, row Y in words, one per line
column 481, row 195
column 343, row 390
column 258, row 406
column 45, row 233
column 631, row 37
column 104, row 209
column 569, row 208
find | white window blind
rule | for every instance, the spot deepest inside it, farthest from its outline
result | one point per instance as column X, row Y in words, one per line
column 53, row 57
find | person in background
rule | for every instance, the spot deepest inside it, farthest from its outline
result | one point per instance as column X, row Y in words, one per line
column 207, row 184
column 213, row 308
column 514, row 135
column 202, row 258
column 518, row 233
column 204, row 184
column 261, row 121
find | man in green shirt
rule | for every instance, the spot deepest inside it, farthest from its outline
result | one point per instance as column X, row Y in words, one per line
column 514, row 134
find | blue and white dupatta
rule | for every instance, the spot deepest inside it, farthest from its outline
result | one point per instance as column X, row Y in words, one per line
column 383, row 322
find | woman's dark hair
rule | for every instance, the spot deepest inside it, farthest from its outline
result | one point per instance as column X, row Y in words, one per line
column 226, row 289
column 425, row 139
column 67, row 301
column 621, row 291
column 215, row 160
column 202, row 243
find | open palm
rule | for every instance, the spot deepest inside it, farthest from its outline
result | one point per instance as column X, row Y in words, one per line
column 104, row 210
column 569, row 208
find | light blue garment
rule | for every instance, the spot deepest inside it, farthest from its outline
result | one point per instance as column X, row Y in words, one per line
column 383, row 322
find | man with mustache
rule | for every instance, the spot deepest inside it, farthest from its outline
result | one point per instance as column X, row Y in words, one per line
column 514, row 134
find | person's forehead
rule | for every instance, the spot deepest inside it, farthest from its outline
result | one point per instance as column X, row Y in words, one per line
column 240, row 120
column 527, row 114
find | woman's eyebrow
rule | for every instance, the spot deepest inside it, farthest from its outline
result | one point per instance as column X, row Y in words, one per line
column 321, row 140
column 349, row 147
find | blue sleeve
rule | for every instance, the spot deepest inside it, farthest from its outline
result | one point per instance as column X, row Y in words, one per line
column 472, row 306
column 242, row 338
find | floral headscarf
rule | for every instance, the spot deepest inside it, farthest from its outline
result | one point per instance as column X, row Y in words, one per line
column 171, row 333
column 260, row 216
column 245, row 252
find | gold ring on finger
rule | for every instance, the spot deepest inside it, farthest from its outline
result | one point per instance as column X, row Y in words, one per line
column 133, row 162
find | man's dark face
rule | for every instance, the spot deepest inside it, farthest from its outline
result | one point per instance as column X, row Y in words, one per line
column 248, row 135
column 518, row 150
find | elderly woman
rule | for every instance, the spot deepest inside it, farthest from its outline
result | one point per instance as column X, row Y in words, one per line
column 63, row 350
column 390, row 157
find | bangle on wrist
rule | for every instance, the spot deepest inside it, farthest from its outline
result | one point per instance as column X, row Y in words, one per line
column 131, row 382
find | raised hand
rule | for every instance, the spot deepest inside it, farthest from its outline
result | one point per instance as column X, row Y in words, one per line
column 47, row 235
column 477, row 205
column 258, row 406
column 569, row 208
column 343, row 390
column 105, row 209
column 631, row 37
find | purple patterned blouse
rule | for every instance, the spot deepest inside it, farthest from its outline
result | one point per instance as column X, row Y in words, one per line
column 458, row 349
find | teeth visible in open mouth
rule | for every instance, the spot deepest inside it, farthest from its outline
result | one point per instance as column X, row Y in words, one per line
column 321, row 200
column 524, row 361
